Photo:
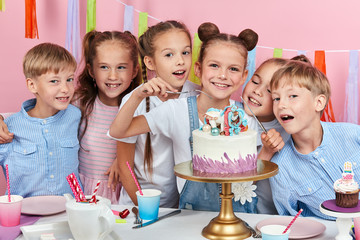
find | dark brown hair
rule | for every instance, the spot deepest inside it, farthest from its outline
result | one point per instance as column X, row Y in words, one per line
column 147, row 48
column 87, row 91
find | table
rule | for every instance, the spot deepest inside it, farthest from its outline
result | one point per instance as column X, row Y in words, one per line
column 186, row 225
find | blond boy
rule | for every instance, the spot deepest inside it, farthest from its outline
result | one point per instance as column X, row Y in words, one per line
column 313, row 158
column 45, row 147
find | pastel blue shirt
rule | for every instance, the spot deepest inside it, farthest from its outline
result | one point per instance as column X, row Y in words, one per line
column 306, row 181
column 43, row 151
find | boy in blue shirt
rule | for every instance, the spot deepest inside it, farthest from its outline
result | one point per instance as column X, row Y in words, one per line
column 45, row 146
column 313, row 158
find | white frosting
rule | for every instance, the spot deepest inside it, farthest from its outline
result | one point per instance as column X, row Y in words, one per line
column 344, row 186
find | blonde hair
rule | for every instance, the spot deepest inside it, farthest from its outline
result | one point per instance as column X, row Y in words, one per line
column 47, row 57
column 302, row 74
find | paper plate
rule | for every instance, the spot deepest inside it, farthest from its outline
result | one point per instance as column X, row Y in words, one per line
column 43, row 205
column 302, row 227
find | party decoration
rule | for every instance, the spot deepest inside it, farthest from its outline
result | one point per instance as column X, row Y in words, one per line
column 278, row 52
column 301, row 52
column 73, row 41
column 129, row 19
column 195, row 56
column 31, row 29
column 143, row 23
column 250, row 65
column 352, row 99
column 319, row 63
column 91, row 15
column 2, row 5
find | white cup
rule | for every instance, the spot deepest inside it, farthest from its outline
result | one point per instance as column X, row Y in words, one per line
column 89, row 221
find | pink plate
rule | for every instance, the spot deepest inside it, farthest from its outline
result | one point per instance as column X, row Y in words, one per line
column 302, row 227
column 43, row 205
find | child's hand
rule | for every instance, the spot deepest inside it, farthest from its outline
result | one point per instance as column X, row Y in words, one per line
column 155, row 87
column 114, row 175
column 272, row 143
column 5, row 135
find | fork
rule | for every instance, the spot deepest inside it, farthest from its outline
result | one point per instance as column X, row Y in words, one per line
column 138, row 220
column 254, row 233
column 189, row 91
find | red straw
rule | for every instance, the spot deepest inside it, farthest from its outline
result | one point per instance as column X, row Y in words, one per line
column 77, row 187
column 132, row 174
column 73, row 189
column 292, row 221
column 93, row 197
column 8, row 182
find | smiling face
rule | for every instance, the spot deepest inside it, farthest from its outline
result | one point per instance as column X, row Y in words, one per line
column 296, row 108
column 172, row 57
column 222, row 71
column 257, row 92
column 113, row 71
column 53, row 92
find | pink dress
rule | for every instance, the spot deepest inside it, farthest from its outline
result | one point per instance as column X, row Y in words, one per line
column 98, row 151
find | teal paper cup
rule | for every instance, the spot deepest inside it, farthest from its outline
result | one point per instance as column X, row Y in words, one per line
column 149, row 203
column 274, row 232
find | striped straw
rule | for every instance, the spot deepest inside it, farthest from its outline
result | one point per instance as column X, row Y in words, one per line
column 8, row 182
column 292, row 221
column 77, row 187
column 132, row 174
column 93, row 197
column 73, row 189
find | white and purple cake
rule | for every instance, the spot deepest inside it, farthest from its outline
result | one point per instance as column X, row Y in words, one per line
column 224, row 144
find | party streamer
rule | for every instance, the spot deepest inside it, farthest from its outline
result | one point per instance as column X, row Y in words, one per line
column 278, row 52
column 91, row 15
column 73, row 41
column 352, row 99
column 195, row 55
column 31, row 30
column 129, row 19
column 301, row 52
column 143, row 23
column 2, row 5
column 319, row 63
column 250, row 65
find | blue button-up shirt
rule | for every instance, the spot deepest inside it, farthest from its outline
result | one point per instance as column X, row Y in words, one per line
column 306, row 181
column 43, row 151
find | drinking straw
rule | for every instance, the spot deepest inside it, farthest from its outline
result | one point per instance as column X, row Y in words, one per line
column 132, row 174
column 73, row 189
column 93, row 197
column 77, row 187
column 8, row 182
column 292, row 221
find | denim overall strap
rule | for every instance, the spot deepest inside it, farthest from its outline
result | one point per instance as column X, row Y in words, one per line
column 198, row 195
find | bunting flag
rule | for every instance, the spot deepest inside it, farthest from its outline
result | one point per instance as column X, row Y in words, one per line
column 195, row 56
column 250, row 65
column 319, row 63
column 2, row 5
column 352, row 99
column 91, row 15
column 73, row 41
column 143, row 23
column 31, row 30
column 129, row 19
column 278, row 52
column 301, row 52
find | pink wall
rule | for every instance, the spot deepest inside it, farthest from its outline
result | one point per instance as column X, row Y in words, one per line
column 311, row 25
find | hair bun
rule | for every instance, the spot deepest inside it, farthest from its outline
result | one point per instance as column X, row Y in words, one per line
column 206, row 30
column 250, row 38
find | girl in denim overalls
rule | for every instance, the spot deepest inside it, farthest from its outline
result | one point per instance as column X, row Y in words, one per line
column 222, row 70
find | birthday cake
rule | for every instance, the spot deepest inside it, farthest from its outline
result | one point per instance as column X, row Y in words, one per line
column 224, row 144
column 346, row 189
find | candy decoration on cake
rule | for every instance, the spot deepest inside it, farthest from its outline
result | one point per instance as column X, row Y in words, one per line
column 346, row 189
column 243, row 191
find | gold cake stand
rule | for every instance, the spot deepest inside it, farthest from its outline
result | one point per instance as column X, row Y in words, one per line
column 226, row 225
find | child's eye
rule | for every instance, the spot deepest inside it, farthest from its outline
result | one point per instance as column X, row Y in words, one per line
column 254, row 82
column 293, row 96
column 70, row 80
column 234, row 69
column 121, row 67
column 54, row 81
column 213, row 65
column 103, row 67
column 169, row 55
column 186, row 53
column 268, row 90
column 276, row 99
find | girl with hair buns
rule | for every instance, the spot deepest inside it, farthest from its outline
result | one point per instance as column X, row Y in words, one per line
column 221, row 68
column 110, row 72
column 165, row 50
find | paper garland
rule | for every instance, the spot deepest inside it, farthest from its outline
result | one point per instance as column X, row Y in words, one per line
column 31, row 30
column 91, row 15
column 73, row 40
column 195, row 55
column 351, row 106
column 143, row 23
column 128, row 19
column 278, row 53
column 2, row 5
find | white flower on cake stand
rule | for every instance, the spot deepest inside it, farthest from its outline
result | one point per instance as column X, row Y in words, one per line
column 243, row 191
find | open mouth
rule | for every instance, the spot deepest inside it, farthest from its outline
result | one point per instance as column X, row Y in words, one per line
column 221, row 85
column 112, row 85
column 62, row 98
column 254, row 101
column 179, row 72
column 286, row 117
